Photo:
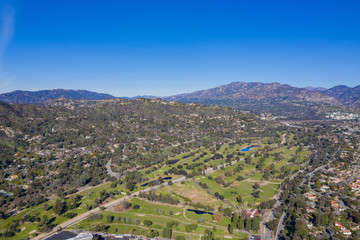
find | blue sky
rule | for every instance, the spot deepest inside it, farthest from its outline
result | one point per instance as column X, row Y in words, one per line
column 161, row 48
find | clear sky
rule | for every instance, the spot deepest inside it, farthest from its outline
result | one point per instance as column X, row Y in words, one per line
column 161, row 48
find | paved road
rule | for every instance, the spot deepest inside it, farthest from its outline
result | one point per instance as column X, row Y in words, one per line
column 283, row 139
column 111, row 172
column 352, row 178
column 265, row 232
column 83, row 216
column 280, row 226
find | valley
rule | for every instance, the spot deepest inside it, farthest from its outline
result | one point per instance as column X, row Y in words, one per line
column 238, row 172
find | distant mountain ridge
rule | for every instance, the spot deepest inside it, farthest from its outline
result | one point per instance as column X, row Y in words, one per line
column 346, row 95
column 258, row 91
column 280, row 99
column 39, row 97
column 311, row 88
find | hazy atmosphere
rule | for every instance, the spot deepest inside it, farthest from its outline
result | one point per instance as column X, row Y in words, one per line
column 128, row 48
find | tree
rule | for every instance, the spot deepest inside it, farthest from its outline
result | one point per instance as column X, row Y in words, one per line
column 240, row 224
column 110, row 218
column 255, row 225
column 321, row 219
column 72, row 203
column 248, row 160
column 167, row 233
column 235, row 219
column 153, row 234
column 227, row 212
column 58, row 207
column 248, row 224
column 130, row 185
column 231, row 228
column 239, row 199
column 272, row 224
column 208, row 235
column 136, row 206
column 147, row 222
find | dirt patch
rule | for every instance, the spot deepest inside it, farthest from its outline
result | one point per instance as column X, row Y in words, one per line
column 33, row 231
column 195, row 193
column 109, row 199
column 120, row 208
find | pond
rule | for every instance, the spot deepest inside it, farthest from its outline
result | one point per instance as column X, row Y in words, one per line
column 249, row 148
column 199, row 211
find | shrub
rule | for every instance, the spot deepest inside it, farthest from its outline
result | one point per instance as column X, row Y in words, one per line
column 147, row 222
column 136, row 206
column 153, row 234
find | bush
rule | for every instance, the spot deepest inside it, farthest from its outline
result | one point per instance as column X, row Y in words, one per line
column 147, row 222
column 136, row 206
column 227, row 212
column 153, row 234
column 110, row 218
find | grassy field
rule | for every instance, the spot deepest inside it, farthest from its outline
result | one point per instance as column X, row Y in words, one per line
column 38, row 211
column 249, row 173
column 191, row 191
column 160, row 215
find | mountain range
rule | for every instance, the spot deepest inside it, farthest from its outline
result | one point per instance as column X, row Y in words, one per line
column 39, row 97
column 257, row 97
column 278, row 99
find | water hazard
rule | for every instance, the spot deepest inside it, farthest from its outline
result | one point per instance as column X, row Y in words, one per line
column 199, row 212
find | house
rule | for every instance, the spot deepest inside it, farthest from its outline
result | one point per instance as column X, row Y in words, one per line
column 252, row 213
column 310, row 210
column 324, row 188
column 335, row 205
column 310, row 225
column 345, row 231
column 14, row 176
column 310, row 196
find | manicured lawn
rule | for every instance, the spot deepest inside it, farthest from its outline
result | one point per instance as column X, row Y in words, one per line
column 159, row 215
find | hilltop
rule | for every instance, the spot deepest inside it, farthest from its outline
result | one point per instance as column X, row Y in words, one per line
column 279, row 99
column 38, row 97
